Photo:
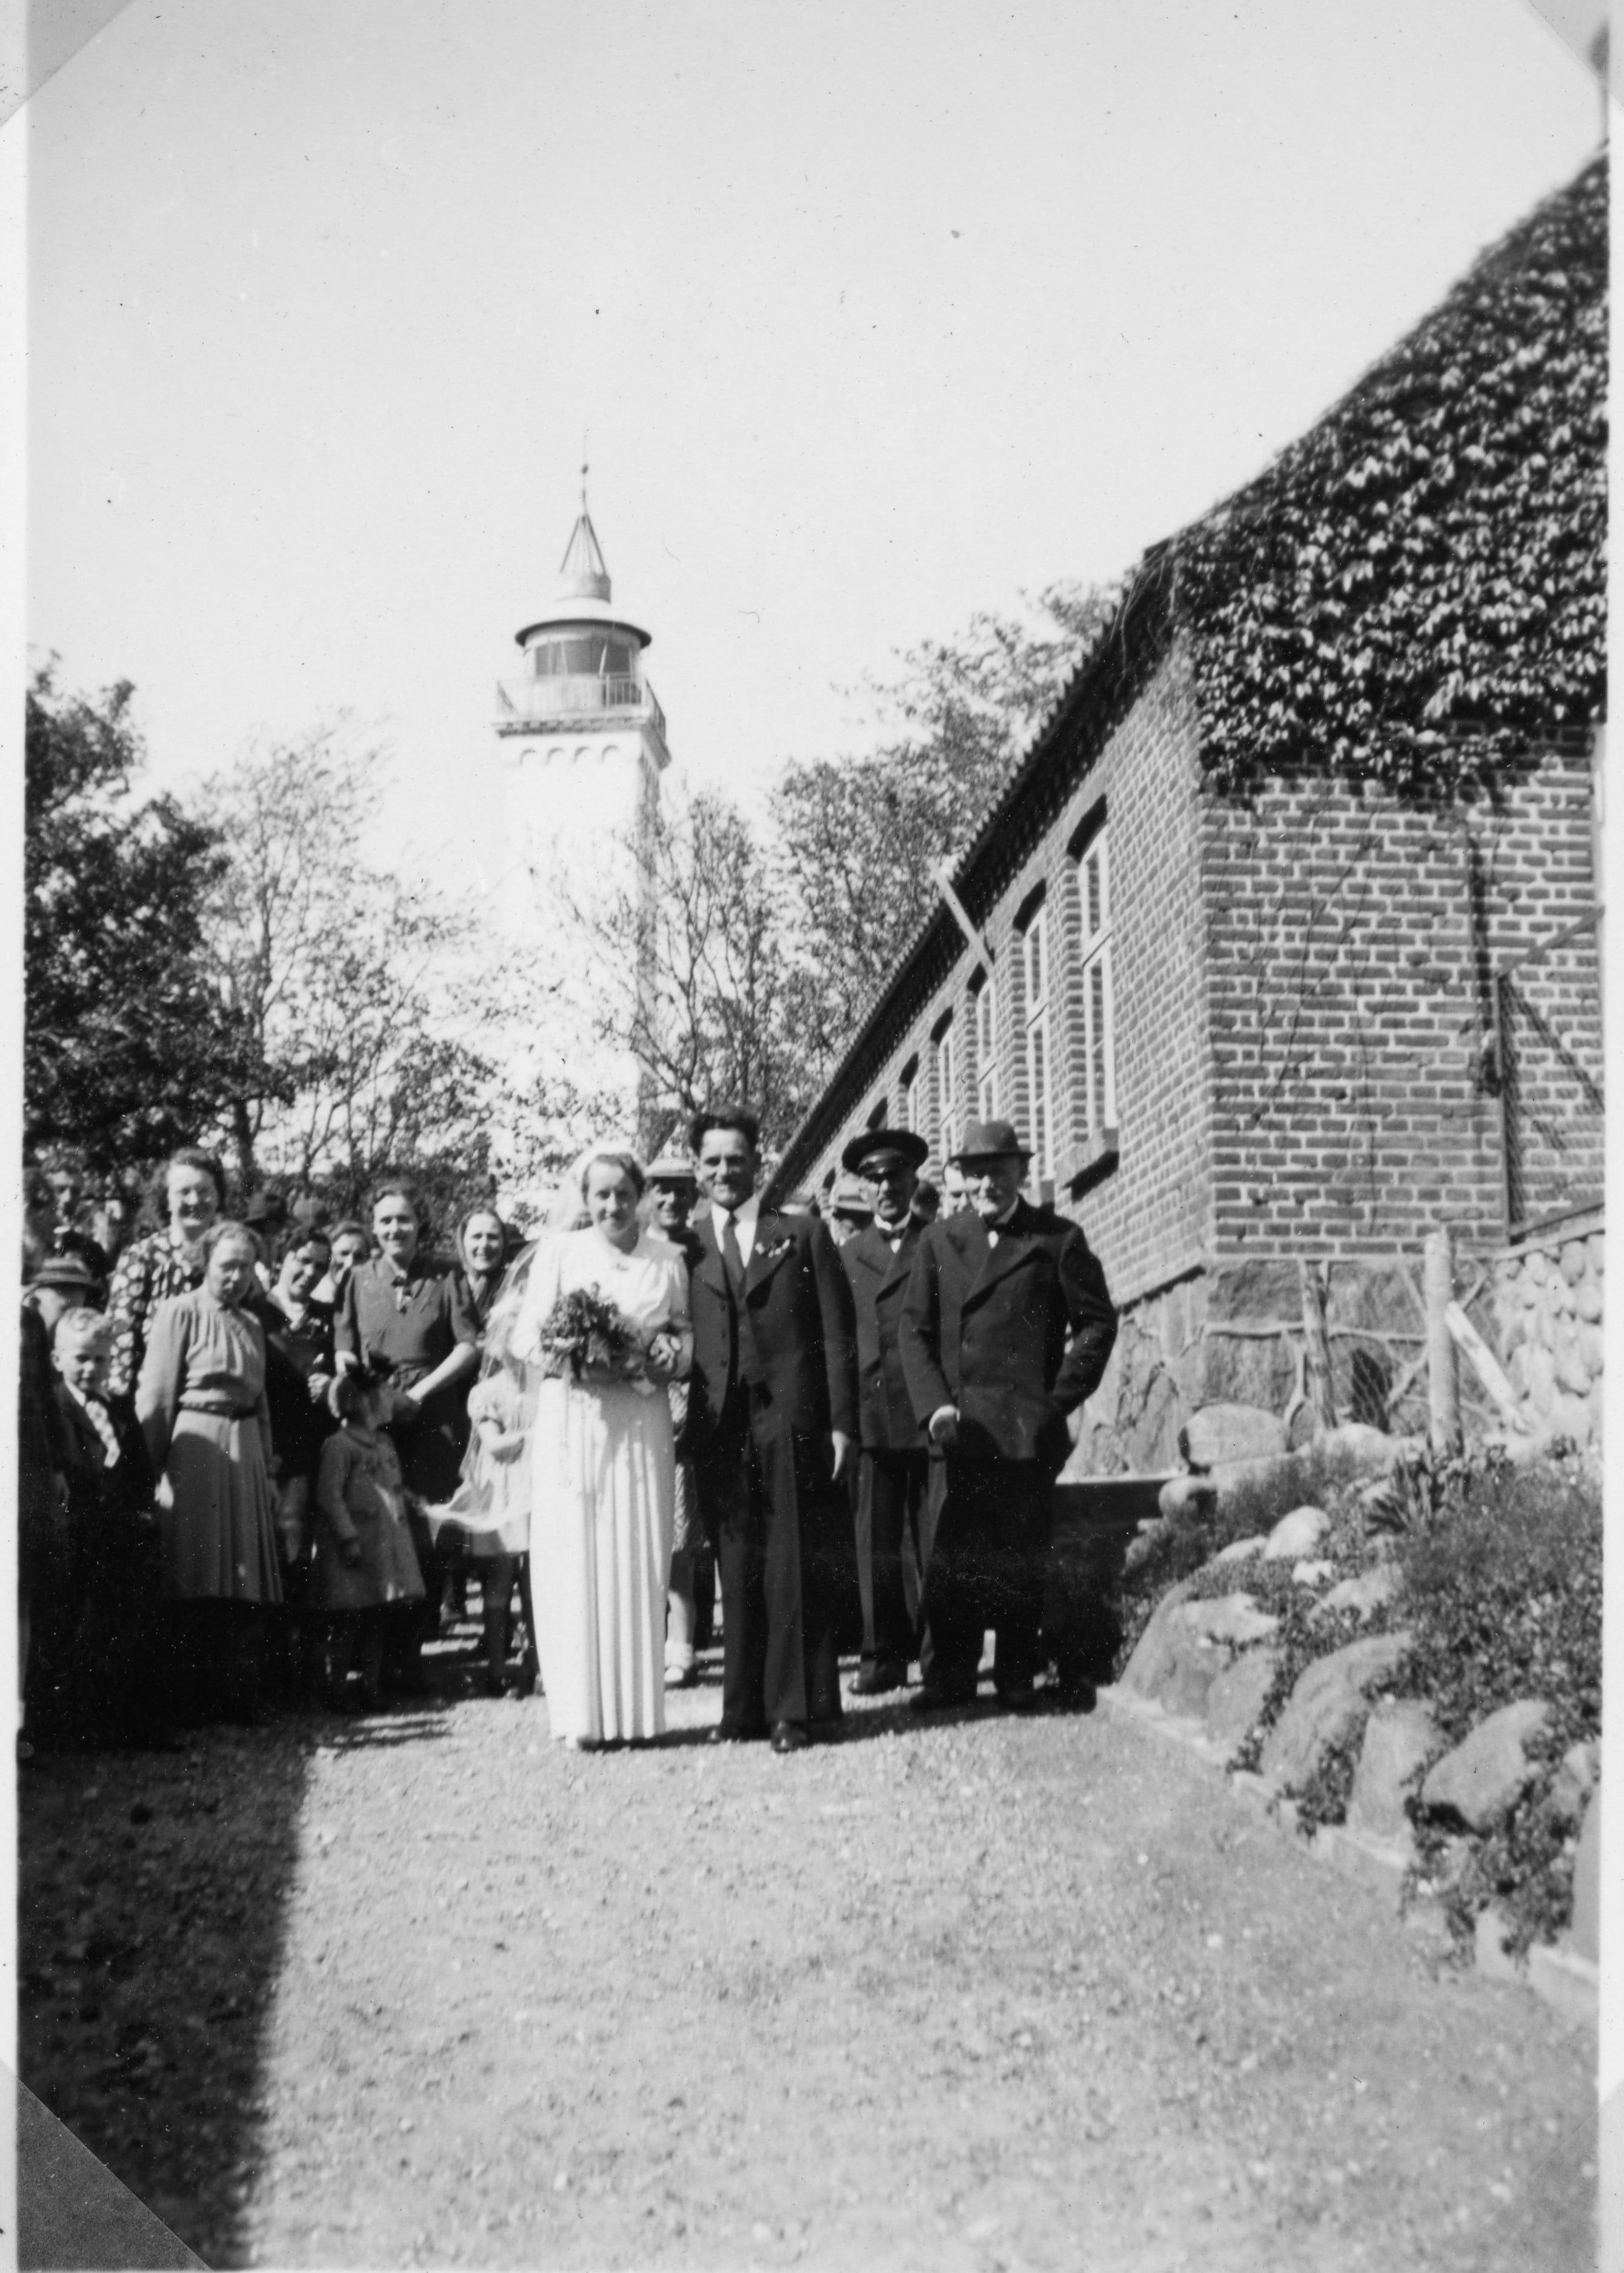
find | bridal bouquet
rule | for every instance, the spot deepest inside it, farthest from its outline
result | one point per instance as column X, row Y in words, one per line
column 585, row 1337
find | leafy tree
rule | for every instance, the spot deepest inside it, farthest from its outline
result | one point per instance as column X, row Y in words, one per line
column 127, row 1053
column 691, row 973
column 858, row 839
column 363, row 1021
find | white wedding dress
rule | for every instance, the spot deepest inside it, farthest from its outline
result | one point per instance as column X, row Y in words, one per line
column 603, row 1475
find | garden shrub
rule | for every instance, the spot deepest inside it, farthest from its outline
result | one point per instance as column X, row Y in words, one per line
column 1505, row 1599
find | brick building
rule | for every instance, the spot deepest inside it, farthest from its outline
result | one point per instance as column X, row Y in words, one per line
column 1282, row 942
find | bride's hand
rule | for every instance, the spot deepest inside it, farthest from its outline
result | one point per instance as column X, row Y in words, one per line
column 662, row 1354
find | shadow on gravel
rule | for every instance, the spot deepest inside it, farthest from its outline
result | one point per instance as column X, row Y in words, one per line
column 153, row 1894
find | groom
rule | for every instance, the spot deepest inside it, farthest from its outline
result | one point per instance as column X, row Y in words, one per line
column 772, row 1414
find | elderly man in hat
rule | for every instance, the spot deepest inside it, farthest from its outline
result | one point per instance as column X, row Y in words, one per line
column 891, row 1459
column 1006, row 1326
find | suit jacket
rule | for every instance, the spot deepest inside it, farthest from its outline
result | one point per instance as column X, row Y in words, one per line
column 795, row 1334
column 96, row 1492
column 879, row 1281
column 986, row 1329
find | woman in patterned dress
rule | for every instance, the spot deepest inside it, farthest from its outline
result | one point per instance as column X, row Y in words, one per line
column 201, row 1401
column 190, row 1193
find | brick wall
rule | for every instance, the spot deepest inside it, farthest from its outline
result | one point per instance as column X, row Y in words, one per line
column 1352, row 946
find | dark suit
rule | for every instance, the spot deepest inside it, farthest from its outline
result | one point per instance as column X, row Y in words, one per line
column 1015, row 1335
column 891, row 1467
column 773, row 1374
column 112, row 1600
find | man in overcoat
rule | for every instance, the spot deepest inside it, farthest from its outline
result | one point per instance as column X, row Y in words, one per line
column 1006, row 1327
column 772, row 1415
column 891, row 1462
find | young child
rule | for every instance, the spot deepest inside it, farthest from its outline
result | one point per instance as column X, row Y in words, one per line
column 498, row 1472
column 112, row 1535
column 366, row 1568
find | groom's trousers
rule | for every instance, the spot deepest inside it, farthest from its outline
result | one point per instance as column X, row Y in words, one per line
column 778, row 1525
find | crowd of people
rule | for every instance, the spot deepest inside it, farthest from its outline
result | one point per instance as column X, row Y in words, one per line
column 265, row 1458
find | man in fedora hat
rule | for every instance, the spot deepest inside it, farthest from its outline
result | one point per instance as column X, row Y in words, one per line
column 891, row 1458
column 1005, row 1329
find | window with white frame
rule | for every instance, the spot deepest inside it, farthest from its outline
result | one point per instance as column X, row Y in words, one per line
column 1093, row 891
column 947, row 1090
column 1040, row 1057
column 984, row 1015
column 907, row 1101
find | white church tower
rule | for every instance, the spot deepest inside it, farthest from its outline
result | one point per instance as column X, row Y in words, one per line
column 583, row 746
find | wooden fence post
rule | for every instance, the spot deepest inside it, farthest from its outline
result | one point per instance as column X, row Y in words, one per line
column 1317, row 1349
column 1443, row 1382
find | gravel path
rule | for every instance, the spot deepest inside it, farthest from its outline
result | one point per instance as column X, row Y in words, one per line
column 981, row 1994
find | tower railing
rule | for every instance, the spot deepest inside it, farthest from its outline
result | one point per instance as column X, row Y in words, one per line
column 524, row 702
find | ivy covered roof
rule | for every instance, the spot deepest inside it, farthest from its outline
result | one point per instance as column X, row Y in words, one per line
column 1416, row 590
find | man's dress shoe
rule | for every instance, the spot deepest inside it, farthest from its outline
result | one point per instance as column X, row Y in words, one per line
column 729, row 1732
column 1018, row 1697
column 939, row 1697
column 789, row 1736
column 877, row 1680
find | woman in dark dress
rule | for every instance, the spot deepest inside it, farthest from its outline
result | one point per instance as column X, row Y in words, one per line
column 299, row 1367
column 406, row 1311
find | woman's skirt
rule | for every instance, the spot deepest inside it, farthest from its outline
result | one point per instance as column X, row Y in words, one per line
column 217, row 1512
column 604, row 1482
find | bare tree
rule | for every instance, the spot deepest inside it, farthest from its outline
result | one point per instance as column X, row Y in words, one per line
column 690, row 972
column 363, row 1023
column 857, row 838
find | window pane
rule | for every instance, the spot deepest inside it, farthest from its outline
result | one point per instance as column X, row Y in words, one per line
column 1091, row 874
column 1096, row 1046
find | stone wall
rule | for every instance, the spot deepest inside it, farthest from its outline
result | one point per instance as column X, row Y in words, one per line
column 1223, row 1352
column 1547, row 1311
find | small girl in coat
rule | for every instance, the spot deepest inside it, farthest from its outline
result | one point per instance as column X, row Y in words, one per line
column 366, row 1567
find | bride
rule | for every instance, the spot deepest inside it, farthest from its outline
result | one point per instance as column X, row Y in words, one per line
column 603, row 1469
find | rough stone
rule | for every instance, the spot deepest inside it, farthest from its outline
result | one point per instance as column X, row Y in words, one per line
column 1241, row 1370
column 1364, row 1446
column 1539, row 1375
column 1296, row 1534
column 1238, row 1694
column 1535, row 1266
column 1152, row 1435
column 1574, row 1782
column 1234, row 1619
column 1312, row 1571
column 1380, row 1298
column 1573, row 1418
column 1573, row 1261
column 1588, row 1302
column 1218, row 1433
column 1587, row 1885
column 1401, row 1737
column 1188, row 1499
column 1572, row 1374
column 1256, row 1294
column 1241, row 1550
column 1366, row 1593
column 1192, row 1646
column 1152, row 1656
column 1596, row 1249
column 1479, row 1783
column 1592, row 1350
column 1327, row 1703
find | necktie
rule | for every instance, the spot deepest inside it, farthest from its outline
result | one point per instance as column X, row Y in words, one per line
column 732, row 1261
column 101, row 1421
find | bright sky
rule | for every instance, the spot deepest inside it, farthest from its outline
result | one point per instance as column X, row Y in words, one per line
column 874, row 314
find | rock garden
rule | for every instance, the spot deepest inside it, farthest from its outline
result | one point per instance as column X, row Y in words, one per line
column 1401, row 1655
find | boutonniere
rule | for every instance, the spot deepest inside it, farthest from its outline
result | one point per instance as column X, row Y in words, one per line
column 781, row 1249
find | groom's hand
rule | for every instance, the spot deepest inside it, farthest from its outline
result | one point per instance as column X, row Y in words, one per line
column 843, row 1452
